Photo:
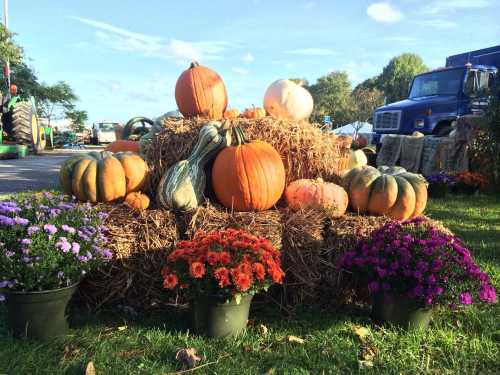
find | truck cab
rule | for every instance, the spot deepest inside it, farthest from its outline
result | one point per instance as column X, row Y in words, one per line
column 438, row 98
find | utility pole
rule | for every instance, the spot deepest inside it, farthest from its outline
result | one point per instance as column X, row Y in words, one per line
column 6, row 24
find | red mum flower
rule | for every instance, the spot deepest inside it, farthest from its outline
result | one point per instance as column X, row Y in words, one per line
column 225, row 257
column 243, row 281
column 197, row 270
column 170, row 281
column 245, row 267
column 277, row 275
column 165, row 271
column 222, row 275
column 259, row 270
column 212, row 257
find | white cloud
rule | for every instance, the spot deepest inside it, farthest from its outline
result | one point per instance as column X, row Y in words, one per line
column 384, row 12
column 125, row 40
column 446, row 6
column 312, row 52
column 439, row 23
column 241, row 71
column 248, row 58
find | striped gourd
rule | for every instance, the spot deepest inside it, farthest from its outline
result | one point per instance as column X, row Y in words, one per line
column 182, row 186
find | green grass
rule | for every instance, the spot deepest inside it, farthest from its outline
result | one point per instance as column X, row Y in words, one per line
column 465, row 342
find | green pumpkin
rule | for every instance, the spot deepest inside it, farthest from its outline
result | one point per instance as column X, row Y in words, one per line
column 182, row 186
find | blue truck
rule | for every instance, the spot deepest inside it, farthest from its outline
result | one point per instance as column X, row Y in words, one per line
column 437, row 99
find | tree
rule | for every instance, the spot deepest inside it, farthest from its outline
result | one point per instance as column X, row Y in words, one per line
column 77, row 118
column 365, row 102
column 55, row 100
column 398, row 74
column 9, row 50
column 25, row 79
column 332, row 96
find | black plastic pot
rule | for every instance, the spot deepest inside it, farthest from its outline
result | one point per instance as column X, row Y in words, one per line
column 400, row 311
column 39, row 315
column 214, row 317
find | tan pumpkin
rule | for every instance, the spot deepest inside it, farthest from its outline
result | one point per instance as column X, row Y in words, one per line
column 357, row 158
column 200, row 91
column 231, row 113
column 249, row 176
column 307, row 193
column 123, row 145
column 254, row 112
column 390, row 191
column 103, row 176
column 137, row 200
column 288, row 100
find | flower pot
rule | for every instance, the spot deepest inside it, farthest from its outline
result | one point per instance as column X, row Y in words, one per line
column 438, row 190
column 215, row 317
column 39, row 315
column 400, row 311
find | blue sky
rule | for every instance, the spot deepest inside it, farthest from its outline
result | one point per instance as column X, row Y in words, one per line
column 123, row 57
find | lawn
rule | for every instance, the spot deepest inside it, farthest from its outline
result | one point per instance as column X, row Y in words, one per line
column 118, row 342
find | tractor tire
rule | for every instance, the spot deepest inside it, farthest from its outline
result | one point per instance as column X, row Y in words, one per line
column 25, row 128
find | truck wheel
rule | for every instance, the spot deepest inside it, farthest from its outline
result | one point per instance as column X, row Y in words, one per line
column 25, row 125
column 442, row 130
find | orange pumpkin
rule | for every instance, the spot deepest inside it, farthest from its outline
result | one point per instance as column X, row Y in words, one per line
column 137, row 201
column 307, row 193
column 249, row 176
column 231, row 113
column 200, row 91
column 254, row 112
column 123, row 145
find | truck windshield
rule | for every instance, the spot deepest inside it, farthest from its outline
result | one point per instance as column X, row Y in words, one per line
column 444, row 82
column 106, row 126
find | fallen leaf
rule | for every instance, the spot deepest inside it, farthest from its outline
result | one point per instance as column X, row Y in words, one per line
column 131, row 353
column 363, row 365
column 187, row 357
column 368, row 353
column 70, row 351
column 271, row 371
column 361, row 332
column 90, row 369
column 122, row 328
column 263, row 330
column 296, row 339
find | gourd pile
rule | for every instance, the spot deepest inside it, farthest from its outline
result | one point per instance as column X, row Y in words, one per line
column 267, row 170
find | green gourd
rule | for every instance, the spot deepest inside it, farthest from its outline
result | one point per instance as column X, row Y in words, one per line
column 182, row 186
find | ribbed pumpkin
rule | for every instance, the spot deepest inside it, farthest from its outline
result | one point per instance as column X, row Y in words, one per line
column 103, row 176
column 137, row 200
column 288, row 100
column 123, row 145
column 231, row 113
column 307, row 193
column 249, row 176
column 254, row 112
column 182, row 186
column 201, row 92
column 390, row 191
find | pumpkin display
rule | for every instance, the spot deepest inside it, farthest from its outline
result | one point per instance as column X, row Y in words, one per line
column 254, row 112
column 200, row 91
column 390, row 191
column 249, row 176
column 103, row 176
column 357, row 158
column 123, row 145
column 182, row 186
column 231, row 113
column 306, row 193
column 288, row 100
column 137, row 200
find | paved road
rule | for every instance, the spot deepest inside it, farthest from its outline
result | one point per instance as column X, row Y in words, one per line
column 33, row 172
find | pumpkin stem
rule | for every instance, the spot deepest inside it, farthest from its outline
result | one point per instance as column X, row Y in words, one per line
column 194, row 64
column 239, row 136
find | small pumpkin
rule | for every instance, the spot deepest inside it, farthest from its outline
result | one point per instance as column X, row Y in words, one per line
column 306, row 193
column 231, row 113
column 182, row 186
column 200, row 91
column 254, row 112
column 137, row 200
column 103, row 176
column 357, row 158
column 249, row 176
column 390, row 191
column 123, row 145
column 288, row 100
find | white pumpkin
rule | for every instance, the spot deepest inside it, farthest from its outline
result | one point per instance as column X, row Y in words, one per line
column 285, row 99
column 357, row 159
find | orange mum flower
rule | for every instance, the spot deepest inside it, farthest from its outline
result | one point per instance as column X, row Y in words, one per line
column 259, row 270
column 170, row 281
column 222, row 275
column 244, row 267
column 243, row 281
column 212, row 257
column 225, row 257
column 197, row 270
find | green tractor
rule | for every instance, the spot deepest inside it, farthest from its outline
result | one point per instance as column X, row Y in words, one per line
column 20, row 130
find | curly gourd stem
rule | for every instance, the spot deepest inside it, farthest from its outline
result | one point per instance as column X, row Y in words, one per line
column 239, row 135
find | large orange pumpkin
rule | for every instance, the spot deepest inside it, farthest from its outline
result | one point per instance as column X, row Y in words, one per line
column 249, row 176
column 123, row 145
column 201, row 92
column 307, row 193
column 231, row 113
column 390, row 191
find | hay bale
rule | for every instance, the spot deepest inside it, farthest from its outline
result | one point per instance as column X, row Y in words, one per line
column 140, row 242
column 307, row 151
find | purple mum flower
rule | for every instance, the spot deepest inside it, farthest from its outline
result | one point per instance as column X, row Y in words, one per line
column 49, row 228
column 374, row 287
column 26, row 241
column 33, row 229
column 7, row 221
column 68, row 229
column 75, row 247
column 487, row 294
column 465, row 298
column 64, row 246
